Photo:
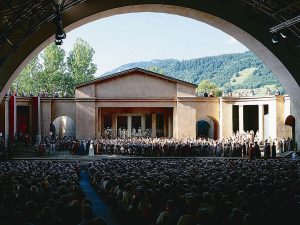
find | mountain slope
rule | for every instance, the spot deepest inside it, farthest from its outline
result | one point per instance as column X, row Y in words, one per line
column 229, row 71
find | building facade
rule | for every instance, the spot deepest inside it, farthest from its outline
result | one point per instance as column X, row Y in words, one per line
column 144, row 103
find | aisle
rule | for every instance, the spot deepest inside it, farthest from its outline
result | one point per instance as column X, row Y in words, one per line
column 99, row 207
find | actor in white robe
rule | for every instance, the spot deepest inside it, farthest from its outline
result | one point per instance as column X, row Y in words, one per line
column 91, row 149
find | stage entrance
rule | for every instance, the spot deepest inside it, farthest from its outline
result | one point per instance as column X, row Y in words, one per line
column 135, row 122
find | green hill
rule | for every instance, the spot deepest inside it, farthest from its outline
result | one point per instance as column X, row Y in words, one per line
column 238, row 71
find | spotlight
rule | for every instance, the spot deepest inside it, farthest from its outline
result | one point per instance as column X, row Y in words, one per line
column 275, row 38
column 58, row 42
column 283, row 35
column 60, row 33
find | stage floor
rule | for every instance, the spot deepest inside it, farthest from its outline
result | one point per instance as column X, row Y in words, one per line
column 67, row 156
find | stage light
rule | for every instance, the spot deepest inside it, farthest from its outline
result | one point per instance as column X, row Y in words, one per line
column 275, row 38
column 60, row 33
column 58, row 42
column 283, row 35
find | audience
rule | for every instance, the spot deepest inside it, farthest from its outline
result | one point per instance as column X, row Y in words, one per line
column 42, row 193
column 199, row 191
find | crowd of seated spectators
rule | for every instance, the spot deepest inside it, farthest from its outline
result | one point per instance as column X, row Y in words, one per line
column 43, row 193
column 199, row 191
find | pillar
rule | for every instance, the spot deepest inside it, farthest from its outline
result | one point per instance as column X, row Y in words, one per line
column 129, row 125
column 221, row 117
column 6, row 123
column 153, row 127
column 143, row 123
column 166, row 123
column 261, row 122
column 12, row 117
column 170, row 125
column 99, row 122
column 36, row 116
column 241, row 118
column 114, row 125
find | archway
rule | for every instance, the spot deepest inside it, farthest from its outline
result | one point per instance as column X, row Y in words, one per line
column 203, row 129
column 290, row 121
column 206, row 127
column 64, row 126
column 233, row 18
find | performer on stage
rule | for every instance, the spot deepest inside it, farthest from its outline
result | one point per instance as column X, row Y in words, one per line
column 91, row 149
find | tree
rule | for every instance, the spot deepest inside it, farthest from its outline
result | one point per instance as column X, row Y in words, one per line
column 51, row 72
column 53, row 77
column 26, row 81
column 155, row 69
column 207, row 86
column 80, row 62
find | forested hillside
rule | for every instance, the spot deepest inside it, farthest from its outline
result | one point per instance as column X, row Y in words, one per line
column 229, row 71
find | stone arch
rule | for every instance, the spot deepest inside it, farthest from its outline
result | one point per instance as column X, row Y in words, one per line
column 64, row 126
column 233, row 20
column 290, row 121
column 262, row 51
column 208, row 123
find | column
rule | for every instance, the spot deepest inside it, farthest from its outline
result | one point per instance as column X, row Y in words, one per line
column 153, row 127
column 170, row 124
column 261, row 122
column 221, row 117
column 96, row 122
column 6, row 123
column 12, row 117
column 30, row 122
column 36, row 116
column 143, row 123
column 99, row 121
column 129, row 125
column 241, row 118
column 114, row 125
column 165, row 124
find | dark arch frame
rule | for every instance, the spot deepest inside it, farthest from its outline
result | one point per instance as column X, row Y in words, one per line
column 235, row 17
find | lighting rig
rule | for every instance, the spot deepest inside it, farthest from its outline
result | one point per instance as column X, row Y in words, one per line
column 278, row 34
column 60, row 33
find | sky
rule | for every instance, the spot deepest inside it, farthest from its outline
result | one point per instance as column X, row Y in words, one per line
column 135, row 37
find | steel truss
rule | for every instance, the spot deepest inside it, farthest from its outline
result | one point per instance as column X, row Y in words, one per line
column 282, row 11
column 20, row 18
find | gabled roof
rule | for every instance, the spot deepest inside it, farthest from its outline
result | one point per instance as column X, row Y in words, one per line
column 136, row 69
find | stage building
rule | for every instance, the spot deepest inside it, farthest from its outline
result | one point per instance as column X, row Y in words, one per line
column 146, row 104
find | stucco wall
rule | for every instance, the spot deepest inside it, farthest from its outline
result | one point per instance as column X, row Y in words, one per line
column 129, row 103
column 63, row 107
column 136, row 86
column 85, row 120
column 226, row 114
column 85, row 91
column 45, row 117
column 281, row 128
column 186, row 120
column 209, row 107
column 272, row 117
column 185, row 90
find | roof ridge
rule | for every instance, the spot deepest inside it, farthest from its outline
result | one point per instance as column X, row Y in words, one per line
column 113, row 75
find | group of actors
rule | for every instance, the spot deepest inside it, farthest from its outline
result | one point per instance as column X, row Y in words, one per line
column 241, row 144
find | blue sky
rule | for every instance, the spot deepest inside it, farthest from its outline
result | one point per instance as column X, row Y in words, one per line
column 133, row 37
